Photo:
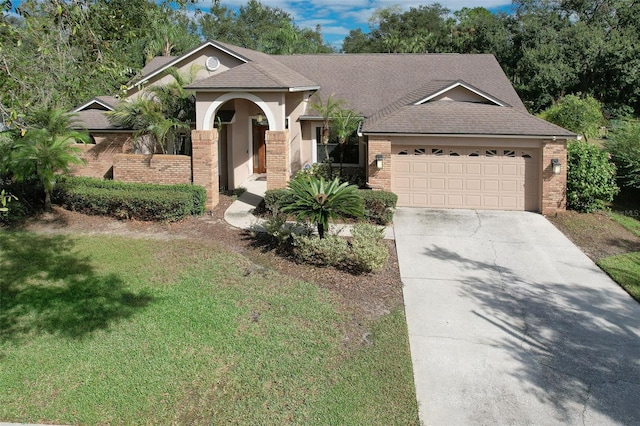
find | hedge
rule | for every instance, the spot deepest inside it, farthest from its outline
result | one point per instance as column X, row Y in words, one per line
column 130, row 200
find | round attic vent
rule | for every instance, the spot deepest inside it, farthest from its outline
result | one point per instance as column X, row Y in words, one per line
column 212, row 63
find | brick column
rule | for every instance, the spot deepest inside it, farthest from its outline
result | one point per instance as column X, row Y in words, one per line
column 277, row 158
column 204, row 163
column 554, row 187
column 379, row 178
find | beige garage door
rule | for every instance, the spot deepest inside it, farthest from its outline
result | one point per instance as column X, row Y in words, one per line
column 462, row 177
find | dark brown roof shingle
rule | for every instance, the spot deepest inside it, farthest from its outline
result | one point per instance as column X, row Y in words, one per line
column 463, row 118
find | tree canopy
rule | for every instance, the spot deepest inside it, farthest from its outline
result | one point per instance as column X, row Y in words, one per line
column 56, row 53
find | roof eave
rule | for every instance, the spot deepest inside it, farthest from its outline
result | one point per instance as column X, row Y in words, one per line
column 474, row 135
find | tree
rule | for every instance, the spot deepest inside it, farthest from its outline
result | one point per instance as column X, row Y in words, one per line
column 580, row 115
column 319, row 201
column 47, row 148
column 263, row 28
column 345, row 122
column 159, row 114
column 624, row 145
column 327, row 110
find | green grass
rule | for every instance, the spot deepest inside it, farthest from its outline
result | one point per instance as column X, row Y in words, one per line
column 629, row 222
column 125, row 331
column 625, row 270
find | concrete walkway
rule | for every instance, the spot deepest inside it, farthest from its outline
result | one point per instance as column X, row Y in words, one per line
column 510, row 323
column 240, row 212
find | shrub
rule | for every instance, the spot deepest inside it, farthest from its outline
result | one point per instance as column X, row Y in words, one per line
column 319, row 201
column 379, row 206
column 624, row 146
column 27, row 201
column 368, row 252
column 331, row 250
column 131, row 200
column 352, row 175
column 591, row 178
column 275, row 199
column 582, row 116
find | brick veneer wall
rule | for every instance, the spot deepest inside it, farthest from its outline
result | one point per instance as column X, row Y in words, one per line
column 379, row 178
column 99, row 157
column 204, row 160
column 277, row 158
column 157, row 168
column 554, row 187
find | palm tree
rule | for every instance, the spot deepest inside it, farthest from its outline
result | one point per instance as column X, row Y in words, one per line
column 47, row 148
column 327, row 110
column 318, row 200
column 345, row 123
column 160, row 113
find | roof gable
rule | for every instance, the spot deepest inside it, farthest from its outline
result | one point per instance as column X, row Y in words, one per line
column 454, row 91
column 160, row 64
column 102, row 103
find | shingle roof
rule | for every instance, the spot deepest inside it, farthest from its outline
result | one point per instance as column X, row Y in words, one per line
column 93, row 119
column 267, row 73
column 458, row 118
column 371, row 82
column 155, row 64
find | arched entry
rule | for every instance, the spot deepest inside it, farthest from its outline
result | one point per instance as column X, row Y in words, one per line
column 242, row 150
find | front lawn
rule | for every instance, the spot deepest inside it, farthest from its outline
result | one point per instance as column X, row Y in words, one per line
column 625, row 270
column 97, row 329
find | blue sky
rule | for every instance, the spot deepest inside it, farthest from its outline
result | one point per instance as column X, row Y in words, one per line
column 338, row 17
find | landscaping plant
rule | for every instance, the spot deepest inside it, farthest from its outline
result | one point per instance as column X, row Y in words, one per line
column 591, row 177
column 318, row 201
column 624, row 146
column 46, row 148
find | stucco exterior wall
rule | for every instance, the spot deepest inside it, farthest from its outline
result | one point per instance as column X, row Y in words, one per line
column 295, row 107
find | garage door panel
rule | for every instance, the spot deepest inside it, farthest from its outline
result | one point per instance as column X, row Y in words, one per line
column 437, row 183
column 419, row 168
column 466, row 177
column 455, row 184
column 436, row 167
column 400, row 166
column 419, row 183
column 402, row 183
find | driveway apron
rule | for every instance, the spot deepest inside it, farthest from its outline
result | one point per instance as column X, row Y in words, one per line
column 510, row 323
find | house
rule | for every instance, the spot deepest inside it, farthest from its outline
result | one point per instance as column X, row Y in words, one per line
column 439, row 130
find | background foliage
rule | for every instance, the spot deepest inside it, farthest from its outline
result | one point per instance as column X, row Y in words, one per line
column 62, row 53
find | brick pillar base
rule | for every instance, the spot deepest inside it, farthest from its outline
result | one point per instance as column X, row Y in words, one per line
column 277, row 158
column 379, row 178
column 204, row 163
column 554, row 187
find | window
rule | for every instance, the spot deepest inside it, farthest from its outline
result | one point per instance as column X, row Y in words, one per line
column 436, row 151
column 475, row 153
column 404, row 152
column 453, row 153
column 419, row 151
column 509, row 153
column 351, row 153
column 491, row 152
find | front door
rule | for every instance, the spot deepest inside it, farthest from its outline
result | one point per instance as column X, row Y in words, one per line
column 259, row 148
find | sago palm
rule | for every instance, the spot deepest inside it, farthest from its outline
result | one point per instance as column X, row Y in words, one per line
column 318, row 201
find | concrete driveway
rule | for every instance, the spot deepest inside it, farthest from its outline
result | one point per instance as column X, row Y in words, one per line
column 510, row 323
